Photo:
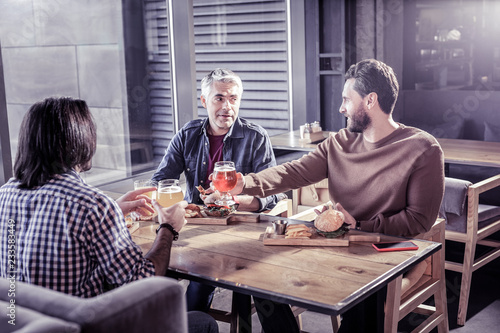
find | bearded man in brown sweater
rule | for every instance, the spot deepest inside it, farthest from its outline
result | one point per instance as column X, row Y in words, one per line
column 384, row 176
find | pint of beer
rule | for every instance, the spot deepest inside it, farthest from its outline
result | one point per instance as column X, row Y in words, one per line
column 169, row 192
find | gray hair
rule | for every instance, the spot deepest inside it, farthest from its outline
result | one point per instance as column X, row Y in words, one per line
column 220, row 75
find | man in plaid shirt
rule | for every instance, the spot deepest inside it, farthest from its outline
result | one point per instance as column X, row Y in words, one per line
column 63, row 234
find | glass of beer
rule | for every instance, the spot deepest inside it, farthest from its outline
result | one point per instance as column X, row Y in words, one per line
column 142, row 183
column 169, row 192
column 224, row 180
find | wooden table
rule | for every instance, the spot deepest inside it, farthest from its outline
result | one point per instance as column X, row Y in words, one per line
column 291, row 141
column 471, row 152
column 328, row 280
column 456, row 151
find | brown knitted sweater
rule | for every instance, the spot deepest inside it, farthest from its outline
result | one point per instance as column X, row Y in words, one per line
column 394, row 186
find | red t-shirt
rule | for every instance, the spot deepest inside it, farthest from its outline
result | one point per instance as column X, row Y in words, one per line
column 216, row 145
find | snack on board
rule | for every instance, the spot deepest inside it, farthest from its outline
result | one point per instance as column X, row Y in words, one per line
column 330, row 223
column 193, row 210
column 143, row 215
column 129, row 220
column 210, row 210
column 146, row 215
column 298, row 231
column 220, row 211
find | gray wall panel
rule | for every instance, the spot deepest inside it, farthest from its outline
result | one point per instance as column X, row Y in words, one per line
column 33, row 73
column 99, row 80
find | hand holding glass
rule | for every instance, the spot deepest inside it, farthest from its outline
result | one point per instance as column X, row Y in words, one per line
column 169, row 192
column 143, row 183
column 143, row 213
column 224, row 180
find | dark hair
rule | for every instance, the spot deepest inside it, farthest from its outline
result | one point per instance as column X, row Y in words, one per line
column 56, row 135
column 374, row 76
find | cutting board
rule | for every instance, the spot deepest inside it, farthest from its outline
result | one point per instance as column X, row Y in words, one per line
column 234, row 217
column 270, row 238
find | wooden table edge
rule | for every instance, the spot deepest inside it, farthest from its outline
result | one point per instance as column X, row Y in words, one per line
column 337, row 309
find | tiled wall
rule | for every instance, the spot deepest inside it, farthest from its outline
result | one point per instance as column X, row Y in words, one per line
column 67, row 48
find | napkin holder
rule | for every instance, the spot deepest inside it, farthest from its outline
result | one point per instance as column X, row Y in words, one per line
column 312, row 137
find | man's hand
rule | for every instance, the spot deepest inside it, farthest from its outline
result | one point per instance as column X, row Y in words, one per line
column 210, row 196
column 240, row 184
column 323, row 209
column 136, row 200
column 174, row 215
column 348, row 217
column 160, row 251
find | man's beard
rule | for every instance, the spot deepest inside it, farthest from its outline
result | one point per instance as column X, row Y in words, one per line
column 359, row 121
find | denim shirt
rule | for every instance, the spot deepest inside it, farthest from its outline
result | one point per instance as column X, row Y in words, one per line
column 246, row 144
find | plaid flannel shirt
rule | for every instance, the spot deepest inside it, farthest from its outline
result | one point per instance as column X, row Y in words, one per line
column 68, row 236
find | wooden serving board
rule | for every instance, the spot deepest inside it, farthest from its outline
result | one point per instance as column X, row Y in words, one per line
column 270, row 238
column 234, row 217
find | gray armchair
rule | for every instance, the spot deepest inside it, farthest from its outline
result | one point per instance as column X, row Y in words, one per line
column 155, row 304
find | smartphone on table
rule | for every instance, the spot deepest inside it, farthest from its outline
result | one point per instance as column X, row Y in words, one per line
column 395, row 246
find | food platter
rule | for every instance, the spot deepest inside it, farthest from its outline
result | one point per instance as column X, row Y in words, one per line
column 234, row 217
column 271, row 238
column 210, row 214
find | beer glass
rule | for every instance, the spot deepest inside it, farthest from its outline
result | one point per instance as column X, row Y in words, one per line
column 169, row 192
column 224, row 180
column 142, row 183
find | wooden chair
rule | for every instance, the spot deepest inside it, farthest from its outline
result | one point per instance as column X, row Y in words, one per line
column 232, row 316
column 310, row 196
column 432, row 283
column 283, row 208
column 428, row 282
column 472, row 226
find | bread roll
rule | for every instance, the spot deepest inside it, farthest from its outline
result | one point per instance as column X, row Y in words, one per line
column 329, row 220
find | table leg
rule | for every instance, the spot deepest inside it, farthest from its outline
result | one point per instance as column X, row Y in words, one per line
column 243, row 309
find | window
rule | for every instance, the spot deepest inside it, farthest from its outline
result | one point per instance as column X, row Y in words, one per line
column 53, row 49
column 116, row 55
column 250, row 38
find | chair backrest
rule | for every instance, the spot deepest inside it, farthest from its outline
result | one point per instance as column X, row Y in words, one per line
column 455, row 196
column 310, row 196
column 461, row 207
column 155, row 304
column 283, row 208
column 310, row 213
column 435, row 234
